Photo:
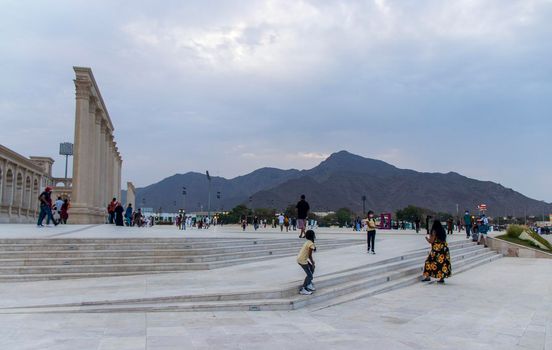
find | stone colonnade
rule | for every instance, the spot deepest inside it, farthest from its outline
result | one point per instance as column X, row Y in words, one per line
column 96, row 161
column 21, row 182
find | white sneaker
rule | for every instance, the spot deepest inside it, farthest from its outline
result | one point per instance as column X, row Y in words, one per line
column 311, row 287
column 304, row 291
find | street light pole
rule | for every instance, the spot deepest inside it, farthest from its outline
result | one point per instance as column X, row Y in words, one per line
column 364, row 205
column 209, row 198
column 184, row 198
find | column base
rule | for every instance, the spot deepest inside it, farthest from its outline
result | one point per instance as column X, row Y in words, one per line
column 81, row 214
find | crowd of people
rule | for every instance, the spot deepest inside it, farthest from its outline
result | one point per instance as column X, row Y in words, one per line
column 54, row 212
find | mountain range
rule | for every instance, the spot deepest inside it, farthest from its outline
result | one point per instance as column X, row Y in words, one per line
column 339, row 181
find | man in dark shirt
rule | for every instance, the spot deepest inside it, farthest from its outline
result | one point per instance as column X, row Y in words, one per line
column 302, row 213
column 45, row 200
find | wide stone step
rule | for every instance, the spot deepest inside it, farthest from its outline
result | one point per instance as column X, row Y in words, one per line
column 332, row 289
column 161, row 250
column 269, row 301
column 154, row 257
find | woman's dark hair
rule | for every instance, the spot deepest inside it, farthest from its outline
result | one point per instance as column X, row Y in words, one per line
column 310, row 235
column 370, row 212
column 440, row 232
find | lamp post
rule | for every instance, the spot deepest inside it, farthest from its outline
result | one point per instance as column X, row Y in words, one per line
column 209, row 198
column 184, row 198
column 66, row 149
column 218, row 197
column 364, row 205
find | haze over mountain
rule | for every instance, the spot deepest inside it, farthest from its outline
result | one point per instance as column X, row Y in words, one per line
column 340, row 181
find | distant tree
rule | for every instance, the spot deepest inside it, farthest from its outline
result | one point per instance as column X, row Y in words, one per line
column 344, row 216
column 327, row 220
column 264, row 213
column 290, row 211
column 411, row 212
column 234, row 216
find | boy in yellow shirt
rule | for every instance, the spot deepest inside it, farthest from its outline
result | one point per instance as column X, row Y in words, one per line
column 306, row 261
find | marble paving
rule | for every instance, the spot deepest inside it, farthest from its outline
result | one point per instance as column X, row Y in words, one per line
column 503, row 305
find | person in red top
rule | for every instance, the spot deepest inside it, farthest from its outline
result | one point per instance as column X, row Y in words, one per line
column 64, row 211
column 111, row 210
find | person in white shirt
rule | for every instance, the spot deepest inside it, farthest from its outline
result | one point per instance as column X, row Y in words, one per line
column 281, row 222
column 58, row 203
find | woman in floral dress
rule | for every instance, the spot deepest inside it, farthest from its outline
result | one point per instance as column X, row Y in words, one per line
column 437, row 264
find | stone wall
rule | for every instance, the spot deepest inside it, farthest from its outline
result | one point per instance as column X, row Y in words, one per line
column 21, row 182
column 515, row 250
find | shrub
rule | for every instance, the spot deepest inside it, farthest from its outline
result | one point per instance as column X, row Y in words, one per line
column 515, row 231
column 539, row 239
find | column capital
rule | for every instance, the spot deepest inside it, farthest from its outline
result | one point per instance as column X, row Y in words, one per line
column 83, row 88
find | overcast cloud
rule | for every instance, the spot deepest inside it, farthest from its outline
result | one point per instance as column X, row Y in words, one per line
column 231, row 86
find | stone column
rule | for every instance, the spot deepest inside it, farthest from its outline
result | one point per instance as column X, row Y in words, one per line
column 82, row 164
column 97, row 157
column 103, row 145
column 119, row 172
column 115, row 170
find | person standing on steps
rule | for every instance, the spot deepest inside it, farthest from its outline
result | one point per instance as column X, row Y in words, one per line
column 306, row 261
column 437, row 264
column 302, row 214
column 483, row 229
column 468, row 223
column 371, row 232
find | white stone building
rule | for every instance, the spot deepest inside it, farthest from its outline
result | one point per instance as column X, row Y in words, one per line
column 21, row 182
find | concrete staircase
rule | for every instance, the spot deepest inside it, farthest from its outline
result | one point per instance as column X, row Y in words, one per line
column 48, row 259
column 332, row 289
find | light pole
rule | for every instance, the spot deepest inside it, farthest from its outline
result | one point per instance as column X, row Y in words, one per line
column 209, row 198
column 218, row 197
column 184, row 198
column 364, row 205
column 66, row 149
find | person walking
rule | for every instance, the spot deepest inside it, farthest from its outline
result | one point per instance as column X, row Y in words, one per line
column 64, row 211
column 370, row 233
column 306, row 261
column 437, row 264
column 111, row 210
column 302, row 214
column 281, row 220
column 428, row 222
column 128, row 214
column 45, row 200
column 286, row 223
column 137, row 220
column 255, row 223
column 468, row 223
column 57, row 205
column 450, row 225
column 483, row 229
column 118, row 211
column 417, row 224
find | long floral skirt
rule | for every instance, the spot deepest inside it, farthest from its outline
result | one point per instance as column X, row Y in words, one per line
column 437, row 264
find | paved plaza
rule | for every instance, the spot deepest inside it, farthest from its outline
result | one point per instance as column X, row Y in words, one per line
column 502, row 305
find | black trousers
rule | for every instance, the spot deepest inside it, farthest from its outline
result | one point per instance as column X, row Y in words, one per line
column 371, row 239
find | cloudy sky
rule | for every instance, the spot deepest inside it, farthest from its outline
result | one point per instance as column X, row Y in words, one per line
column 231, row 86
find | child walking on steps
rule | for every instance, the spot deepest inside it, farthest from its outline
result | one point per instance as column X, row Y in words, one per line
column 306, row 261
